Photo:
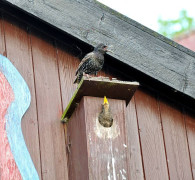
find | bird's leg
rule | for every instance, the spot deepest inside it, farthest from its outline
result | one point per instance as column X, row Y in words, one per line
column 87, row 75
column 96, row 74
column 102, row 77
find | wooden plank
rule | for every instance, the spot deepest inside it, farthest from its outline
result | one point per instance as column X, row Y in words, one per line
column 190, row 126
column 67, row 68
column 67, row 65
column 139, row 47
column 175, row 141
column 19, row 52
column 52, row 140
column 2, row 42
column 151, row 137
column 133, row 143
column 77, row 145
column 106, row 148
column 100, row 87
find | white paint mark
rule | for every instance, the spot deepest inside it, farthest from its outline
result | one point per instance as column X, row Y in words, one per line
column 90, row 140
column 124, row 171
column 123, row 176
column 118, row 176
column 109, row 177
column 108, row 166
column 113, row 161
column 108, row 169
column 125, row 145
column 113, row 167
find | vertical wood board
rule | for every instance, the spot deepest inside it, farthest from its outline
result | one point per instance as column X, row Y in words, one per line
column 175, row 142
column 2, row 42
column 133, row 143
column 190, row 126
column 152, row 144
column 77, row 145
column 107, row 147
column 67, row 68
column 52, row 140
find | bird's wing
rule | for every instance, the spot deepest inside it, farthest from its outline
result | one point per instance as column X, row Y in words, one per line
column 85, row 59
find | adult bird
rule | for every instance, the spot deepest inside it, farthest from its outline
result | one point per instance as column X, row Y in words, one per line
column 92, row 62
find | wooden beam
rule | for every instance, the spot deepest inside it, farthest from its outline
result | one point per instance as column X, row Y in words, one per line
column 96, row 152
column 133, row 44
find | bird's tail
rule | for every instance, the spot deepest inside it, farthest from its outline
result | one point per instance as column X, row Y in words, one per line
column 78, row 78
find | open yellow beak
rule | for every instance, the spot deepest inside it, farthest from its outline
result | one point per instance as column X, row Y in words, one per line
column 105, row 100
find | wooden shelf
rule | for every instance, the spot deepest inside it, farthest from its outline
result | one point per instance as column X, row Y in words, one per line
column 100, row 87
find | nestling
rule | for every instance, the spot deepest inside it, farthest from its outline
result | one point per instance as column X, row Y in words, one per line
column 105, row 117
column 92, row 62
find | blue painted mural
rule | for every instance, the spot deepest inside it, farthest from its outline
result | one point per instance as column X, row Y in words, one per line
column 15, row 102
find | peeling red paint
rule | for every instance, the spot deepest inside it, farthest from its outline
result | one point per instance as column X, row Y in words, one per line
column 8, row 167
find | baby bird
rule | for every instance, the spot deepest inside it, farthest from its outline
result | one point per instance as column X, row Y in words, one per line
column 92, row 62
column 105, row 117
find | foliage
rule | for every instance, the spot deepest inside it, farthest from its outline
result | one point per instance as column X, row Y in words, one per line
column 174, row 28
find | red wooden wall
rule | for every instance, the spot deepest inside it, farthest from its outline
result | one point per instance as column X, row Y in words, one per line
column 160, row 133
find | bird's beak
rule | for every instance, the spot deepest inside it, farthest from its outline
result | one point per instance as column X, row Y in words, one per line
column 105, row 100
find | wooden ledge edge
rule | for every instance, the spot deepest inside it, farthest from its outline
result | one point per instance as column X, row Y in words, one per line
column 99, row 87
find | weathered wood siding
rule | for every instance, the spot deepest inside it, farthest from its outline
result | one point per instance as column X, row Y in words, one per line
column 160, row 134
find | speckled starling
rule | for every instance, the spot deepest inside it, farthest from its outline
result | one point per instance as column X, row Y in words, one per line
column 92, row 62
column 105, row 116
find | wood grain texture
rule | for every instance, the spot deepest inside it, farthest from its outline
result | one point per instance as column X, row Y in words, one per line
column 52, row 140
column 190, row 126
column 67, row 68
column 107, row 147
column 53, row 150
column 97, row 152
column 151, row 137
column 67, row 65
column 19, row 52
column 2, row 42
column 133, row 143
column 77, row 145
column 139, row 47
column 175, row 141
